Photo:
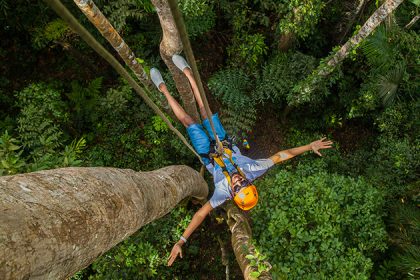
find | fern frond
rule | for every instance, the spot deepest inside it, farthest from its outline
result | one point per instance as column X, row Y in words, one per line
column 280, row 75
column 118, row 11
column 95, row 86
column 231, row 86
column 239, row 123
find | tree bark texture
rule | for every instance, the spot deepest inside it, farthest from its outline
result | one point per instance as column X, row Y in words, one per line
column 286, row 41
column 170, row 45
column 101, row 23
column 54, row 223
column 412, row 22
column 374, row 20
column 241, row 241
column 350, row 17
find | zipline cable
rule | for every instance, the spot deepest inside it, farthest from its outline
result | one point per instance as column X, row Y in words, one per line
column 180, row 24
column 63, row 12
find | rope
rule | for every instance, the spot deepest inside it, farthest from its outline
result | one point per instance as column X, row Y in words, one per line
column 180, row 24
column 62, row 11
column 96, row 17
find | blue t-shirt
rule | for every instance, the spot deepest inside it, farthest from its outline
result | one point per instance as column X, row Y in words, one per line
column 251, row 168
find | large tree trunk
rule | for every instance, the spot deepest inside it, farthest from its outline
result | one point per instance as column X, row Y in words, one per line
column 108, row 31
column 305, row 89
column 241, row 241
column 54, row 223
column 170, row 45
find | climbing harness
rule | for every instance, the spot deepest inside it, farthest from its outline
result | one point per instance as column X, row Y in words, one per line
column 245, row 194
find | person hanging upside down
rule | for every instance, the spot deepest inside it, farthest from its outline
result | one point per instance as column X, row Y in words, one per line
column 233, row 173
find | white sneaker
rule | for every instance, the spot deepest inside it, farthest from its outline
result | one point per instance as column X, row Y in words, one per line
column 180, row 62
column 156, row 77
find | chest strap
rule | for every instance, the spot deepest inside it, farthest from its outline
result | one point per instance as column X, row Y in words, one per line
column 219, row 160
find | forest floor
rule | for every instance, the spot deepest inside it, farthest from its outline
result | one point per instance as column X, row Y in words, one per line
column 266, row 139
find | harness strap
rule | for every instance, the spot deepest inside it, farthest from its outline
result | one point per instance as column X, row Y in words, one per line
column 219, row 160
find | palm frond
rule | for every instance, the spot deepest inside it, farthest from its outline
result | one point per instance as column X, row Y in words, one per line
column 388, row 83
column 378, row 50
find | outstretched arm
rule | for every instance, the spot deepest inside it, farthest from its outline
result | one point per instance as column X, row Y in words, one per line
column 290, row 153
column 197, row 219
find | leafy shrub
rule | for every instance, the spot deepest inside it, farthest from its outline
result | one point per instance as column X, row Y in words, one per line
column 126, row 134
column 199, row 16
column 400, row 120
column 403, row 228
column 42, row 111
column 302, row 17
column 315, row 225
column 247, row 51
column 388, row 53
column 394, row 164
column 231, row 87
column 41, row 141
column 52, row 31
column 83, row 99
column 145, row 254
column 119, row 12
column 10, row 156
column 280, row 74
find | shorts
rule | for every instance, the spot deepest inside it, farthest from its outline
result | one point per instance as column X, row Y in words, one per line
column 200, row 139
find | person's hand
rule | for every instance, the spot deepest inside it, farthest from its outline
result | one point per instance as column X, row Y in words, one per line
column 176, row 250
column 319, row 145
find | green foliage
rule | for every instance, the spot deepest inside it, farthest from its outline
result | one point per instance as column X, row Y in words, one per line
column 127, row 135
column 280, row 74
column 400, row 120
column 388, row 58
column 258, row 261
column 377, row 49
column 41, row 112
column 231, row 87
column 145, row 254
column 315, row 225
column 40, row 121
column 404, row 227
column 83, row 100
column 399, row 155
column 73, row 152
column 10, row 155
column 315, row 87
column 4, row 7
column 119, row 12
column 302, row 17
column 52, row 31
column 199, row 16
column 247, row 51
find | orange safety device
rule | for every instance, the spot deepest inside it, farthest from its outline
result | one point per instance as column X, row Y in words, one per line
column 247, row 197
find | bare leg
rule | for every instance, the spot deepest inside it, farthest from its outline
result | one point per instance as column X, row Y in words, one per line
column 179, row 112
column 187, row 71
